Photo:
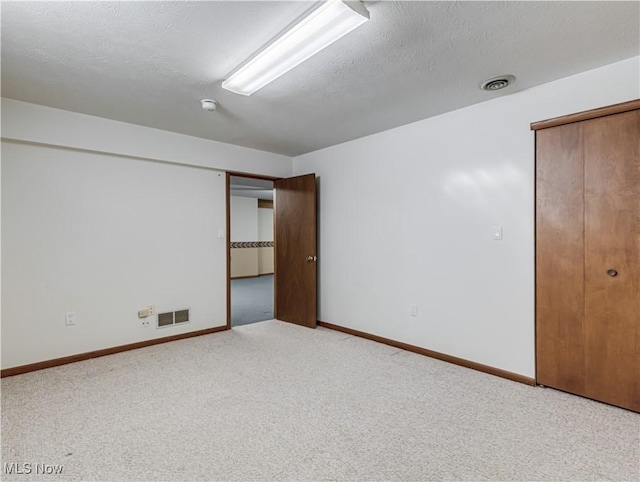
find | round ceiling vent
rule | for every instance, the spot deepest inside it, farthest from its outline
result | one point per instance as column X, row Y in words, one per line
column 497, row 83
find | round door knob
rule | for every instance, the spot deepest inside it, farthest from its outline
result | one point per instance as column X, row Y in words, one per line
column 612, row 272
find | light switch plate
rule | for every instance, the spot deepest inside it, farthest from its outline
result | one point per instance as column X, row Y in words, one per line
column 70, row 318
column 497, row 233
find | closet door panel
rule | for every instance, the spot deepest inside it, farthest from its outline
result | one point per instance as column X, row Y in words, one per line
column 560, row 359
column 612, row 242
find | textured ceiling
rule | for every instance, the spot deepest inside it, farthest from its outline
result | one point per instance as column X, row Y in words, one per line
column 150, row 63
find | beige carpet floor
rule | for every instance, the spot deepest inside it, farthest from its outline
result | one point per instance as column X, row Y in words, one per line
column 273, row 401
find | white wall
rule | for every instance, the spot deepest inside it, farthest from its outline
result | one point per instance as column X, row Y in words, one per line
column 406, row 216
column 265, row 233
column 244, row 218
column 244, row 227
column 265, row 224
column 250, row 223
column 22, row 121
column 104, row 236
column 103, row 218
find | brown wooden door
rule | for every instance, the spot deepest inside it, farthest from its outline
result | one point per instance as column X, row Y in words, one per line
column 587, row 224
column 560, row 258
column 295, row 250
column 612, row 242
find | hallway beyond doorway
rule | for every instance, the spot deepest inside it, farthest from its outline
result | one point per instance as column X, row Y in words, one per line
column 251, row 300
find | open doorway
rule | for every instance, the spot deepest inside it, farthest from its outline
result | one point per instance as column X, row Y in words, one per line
column 293, row 247
column 251, row 250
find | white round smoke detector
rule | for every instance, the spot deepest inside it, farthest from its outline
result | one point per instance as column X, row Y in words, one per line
column 209, row 104
column 497, row 83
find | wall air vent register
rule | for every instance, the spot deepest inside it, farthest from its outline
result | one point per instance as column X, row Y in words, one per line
column 173, row 318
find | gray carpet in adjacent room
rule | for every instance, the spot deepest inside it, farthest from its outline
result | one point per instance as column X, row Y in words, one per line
column 251, row 300
column 273, row 401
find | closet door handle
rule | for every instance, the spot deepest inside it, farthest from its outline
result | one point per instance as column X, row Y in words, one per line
column 612, row 272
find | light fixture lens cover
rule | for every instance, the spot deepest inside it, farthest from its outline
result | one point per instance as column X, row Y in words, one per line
column 328, row 23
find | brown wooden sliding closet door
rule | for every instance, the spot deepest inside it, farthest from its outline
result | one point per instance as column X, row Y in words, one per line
column 612, row 242
column 588, row 257
column 560, row 258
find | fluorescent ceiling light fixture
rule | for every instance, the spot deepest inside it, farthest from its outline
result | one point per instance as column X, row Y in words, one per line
column 326, row 24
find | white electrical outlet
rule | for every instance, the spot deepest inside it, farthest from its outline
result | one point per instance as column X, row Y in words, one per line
column 151, row 309
column 414, row 310
column 70, row 318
